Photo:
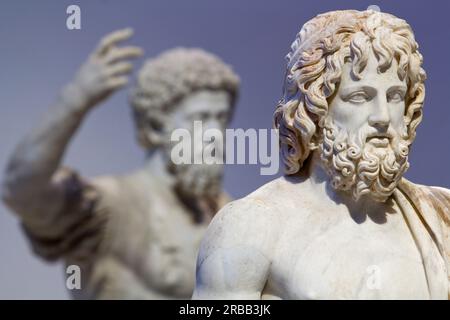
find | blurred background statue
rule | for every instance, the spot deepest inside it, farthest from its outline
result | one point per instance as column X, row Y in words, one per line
column 343, row 223
column 134, row 235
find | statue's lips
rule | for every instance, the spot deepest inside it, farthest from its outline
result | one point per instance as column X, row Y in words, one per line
column 379, row 141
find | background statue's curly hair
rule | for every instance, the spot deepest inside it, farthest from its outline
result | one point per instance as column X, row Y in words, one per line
column 168, row 78
column 314, row 69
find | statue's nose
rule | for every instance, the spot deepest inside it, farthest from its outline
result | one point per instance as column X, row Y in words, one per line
column 380, row 115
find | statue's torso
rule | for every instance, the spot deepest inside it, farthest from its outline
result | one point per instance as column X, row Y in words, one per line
column 149, row 246
column 340, row 259
column 323, row 252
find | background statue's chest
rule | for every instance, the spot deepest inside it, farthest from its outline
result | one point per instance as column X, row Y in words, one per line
column 172, row 248
column 158, row 241
column 341, row 259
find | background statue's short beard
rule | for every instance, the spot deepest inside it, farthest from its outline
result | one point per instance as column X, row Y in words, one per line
column 196, row 181
column 199, row 180
column 356, row 166
column 198, row 186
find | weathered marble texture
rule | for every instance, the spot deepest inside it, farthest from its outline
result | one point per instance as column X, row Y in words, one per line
column 342, row 223
column 135, row 235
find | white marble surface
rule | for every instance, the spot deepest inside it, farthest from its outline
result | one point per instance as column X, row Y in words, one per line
column 134, row 235
column 342, row 224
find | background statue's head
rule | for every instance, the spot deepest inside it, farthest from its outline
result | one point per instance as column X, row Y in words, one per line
column 353, row 92
column 172, row 91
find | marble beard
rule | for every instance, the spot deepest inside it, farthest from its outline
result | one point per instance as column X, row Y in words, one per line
column 352, row 164
column 199, row 185
column 197, row 180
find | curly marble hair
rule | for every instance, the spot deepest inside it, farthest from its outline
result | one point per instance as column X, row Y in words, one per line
column 314, row 67
column 165, row 80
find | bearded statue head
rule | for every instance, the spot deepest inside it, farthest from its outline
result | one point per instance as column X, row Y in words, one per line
column 172, row 91
column 353, row 92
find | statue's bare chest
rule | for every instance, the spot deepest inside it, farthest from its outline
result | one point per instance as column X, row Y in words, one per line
column 158, row 242
column 341, row 259
column 170, row 254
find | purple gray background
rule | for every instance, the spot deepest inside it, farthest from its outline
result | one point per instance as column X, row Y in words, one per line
column 38, row 55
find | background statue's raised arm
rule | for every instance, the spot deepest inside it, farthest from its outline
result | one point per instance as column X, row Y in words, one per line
column 34, row 185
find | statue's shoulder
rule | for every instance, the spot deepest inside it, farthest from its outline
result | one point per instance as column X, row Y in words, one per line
column 127, row 186
column 264, row 203
column 444, row 192
column 106, row 183
column 119, row 191
column 437, row 198
column 283, row 194
column 254, row 221
column 440, row 198
column 439, row 193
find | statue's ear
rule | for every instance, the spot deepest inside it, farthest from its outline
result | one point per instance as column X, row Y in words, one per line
column 153, row 130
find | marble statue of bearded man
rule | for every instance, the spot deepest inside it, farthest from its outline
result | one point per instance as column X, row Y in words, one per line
column 134, row 235
column 342, row 223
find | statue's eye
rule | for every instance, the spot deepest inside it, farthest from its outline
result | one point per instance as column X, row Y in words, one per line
column 199, row 116
column 222, row 116
column 358, row 97
column 396, row 96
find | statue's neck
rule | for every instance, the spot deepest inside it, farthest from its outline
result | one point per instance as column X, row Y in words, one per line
column 156, row 166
